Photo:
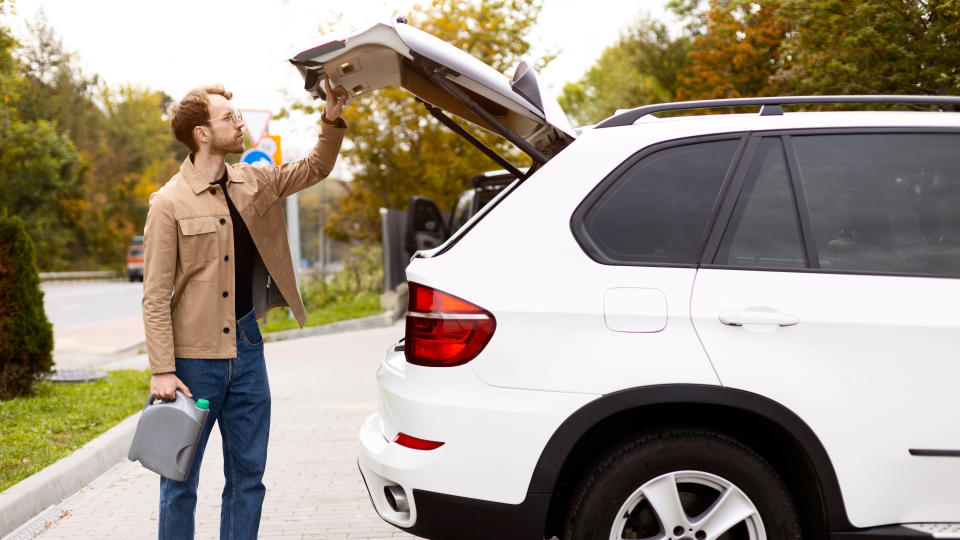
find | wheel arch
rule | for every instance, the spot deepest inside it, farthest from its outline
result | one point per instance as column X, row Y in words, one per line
column 769, row 428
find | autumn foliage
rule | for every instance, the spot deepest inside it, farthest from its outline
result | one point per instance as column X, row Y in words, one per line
column 738, row 52
column 740, row 48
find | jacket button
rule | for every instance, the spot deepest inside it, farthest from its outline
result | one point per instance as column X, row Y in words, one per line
column 226, row 330
column 226, row 257
column 222, row 221
column 213, row 191
column 225, row 293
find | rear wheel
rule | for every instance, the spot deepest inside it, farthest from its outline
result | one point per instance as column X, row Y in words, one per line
column 682, row 485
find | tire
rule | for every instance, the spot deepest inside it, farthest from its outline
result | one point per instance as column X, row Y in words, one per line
column 623, row 494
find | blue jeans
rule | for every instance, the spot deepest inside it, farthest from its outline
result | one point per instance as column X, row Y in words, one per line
column 239, row 396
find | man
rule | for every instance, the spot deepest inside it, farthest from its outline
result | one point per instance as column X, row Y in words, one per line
column 216, row 259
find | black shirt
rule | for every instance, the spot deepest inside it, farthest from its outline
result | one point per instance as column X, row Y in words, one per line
column 243, row 254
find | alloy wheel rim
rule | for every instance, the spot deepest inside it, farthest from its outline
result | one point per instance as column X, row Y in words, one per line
column 688, row 505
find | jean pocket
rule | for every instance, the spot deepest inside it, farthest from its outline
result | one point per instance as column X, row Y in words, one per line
column 251, row 334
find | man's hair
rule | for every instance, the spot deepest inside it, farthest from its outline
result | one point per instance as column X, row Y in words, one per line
column 193, row 110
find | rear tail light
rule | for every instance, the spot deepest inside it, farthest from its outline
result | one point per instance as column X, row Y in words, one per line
column 443, row 330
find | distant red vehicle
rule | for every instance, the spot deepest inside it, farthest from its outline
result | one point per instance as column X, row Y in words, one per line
column 135, row 259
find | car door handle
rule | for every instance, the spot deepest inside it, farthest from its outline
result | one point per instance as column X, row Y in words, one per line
column 752, row 316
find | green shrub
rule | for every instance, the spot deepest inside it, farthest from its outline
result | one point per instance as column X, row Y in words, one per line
column 26, row 336
column 362, row 273
column 353, row 292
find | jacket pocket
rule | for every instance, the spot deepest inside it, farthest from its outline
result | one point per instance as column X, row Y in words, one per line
column 195, row 324
column 198, row 238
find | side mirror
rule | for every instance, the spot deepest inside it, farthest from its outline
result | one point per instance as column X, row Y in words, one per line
column 426, row 228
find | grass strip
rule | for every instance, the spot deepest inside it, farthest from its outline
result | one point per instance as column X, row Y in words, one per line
column 39, row 429
column 363, row 305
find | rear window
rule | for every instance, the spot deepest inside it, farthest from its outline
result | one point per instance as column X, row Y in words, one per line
column 657, row 210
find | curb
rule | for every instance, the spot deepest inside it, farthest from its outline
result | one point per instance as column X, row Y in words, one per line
column 82, row 276
column 30, row 496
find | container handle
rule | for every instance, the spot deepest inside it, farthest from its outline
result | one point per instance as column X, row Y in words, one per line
column 151, row 398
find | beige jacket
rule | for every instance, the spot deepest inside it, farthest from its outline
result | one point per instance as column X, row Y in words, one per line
column 188, row 278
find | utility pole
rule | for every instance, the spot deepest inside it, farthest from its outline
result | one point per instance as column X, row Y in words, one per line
column 293, row 233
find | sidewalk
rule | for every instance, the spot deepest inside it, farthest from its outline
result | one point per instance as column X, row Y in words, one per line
column 322, row 388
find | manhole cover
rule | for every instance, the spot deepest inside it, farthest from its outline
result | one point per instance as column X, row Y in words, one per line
column 76, row 375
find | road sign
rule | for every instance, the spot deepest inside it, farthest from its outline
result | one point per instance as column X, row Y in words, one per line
column 257, row 158
column 255, row 123
column 271, row 145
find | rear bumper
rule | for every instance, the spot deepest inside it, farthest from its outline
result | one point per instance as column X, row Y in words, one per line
column 476, row 484
column 448, row 517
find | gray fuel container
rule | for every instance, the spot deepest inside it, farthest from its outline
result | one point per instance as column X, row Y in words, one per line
column 167, row 435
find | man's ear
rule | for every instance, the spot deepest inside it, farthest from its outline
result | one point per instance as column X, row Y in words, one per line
column 200, row 135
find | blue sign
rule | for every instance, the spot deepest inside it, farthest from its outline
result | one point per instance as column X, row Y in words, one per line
column 256, row 157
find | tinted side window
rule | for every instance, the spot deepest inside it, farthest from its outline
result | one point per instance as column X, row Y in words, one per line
column 764, row 231
column 657, row 211
column 884, row 202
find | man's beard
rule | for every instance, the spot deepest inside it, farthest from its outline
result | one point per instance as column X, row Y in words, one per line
column 227, row 145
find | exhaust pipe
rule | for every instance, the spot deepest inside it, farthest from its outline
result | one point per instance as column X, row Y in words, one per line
column 396, row 498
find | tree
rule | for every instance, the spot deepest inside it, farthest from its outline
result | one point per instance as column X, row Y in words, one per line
column 8, row 68
column 874, row 47
column 639, row 69
column 26, row 336
column 39, row 167
column 736, row 51
column 54, row 89
column 395, row 151
column 39, row 174
column 96, row 154
column 143, row 155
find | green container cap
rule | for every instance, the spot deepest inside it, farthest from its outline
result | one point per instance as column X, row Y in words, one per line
column 203, row 404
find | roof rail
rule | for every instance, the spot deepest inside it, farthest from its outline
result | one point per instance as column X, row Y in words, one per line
column 770, row 105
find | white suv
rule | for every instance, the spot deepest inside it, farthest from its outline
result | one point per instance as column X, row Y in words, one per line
column 718, row 326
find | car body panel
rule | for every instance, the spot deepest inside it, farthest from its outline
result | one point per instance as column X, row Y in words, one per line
column 501, row 467
column 886, row 385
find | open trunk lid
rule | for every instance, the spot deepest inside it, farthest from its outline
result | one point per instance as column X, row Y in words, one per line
column 519, row 109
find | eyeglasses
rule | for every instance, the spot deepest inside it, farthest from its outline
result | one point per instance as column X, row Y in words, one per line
column 234, row 116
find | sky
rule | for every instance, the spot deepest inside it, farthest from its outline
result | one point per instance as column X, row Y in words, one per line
column 175, row 45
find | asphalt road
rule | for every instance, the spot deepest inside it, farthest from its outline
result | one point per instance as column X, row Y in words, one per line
column 78, row 302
